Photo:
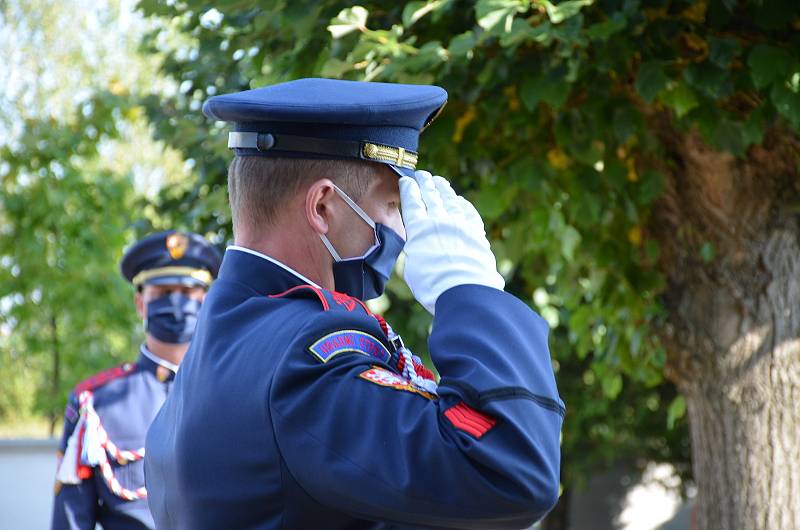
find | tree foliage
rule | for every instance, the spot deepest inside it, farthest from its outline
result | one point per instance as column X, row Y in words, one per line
column 66, row 311
column 552, row 129
column 75, row 155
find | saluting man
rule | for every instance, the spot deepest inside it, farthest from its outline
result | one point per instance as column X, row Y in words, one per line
column 100, row 477
column 299, row 408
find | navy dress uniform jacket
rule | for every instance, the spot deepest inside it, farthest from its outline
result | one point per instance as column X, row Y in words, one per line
column 126, row 399
column 288, row 413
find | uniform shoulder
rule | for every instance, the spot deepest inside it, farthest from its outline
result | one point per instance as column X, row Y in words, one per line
column 332, row 304
column 103, row 378
column 340, row 323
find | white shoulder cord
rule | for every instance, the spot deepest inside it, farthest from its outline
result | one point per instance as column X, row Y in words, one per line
column 409, row 372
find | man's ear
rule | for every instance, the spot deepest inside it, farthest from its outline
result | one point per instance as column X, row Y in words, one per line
column 138, row 301
column 319, row 204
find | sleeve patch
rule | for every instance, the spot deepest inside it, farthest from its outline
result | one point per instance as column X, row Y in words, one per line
column 469, row 420
column 349, row 340
column 383, row 377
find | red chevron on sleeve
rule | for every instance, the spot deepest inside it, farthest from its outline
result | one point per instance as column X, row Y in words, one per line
column 469, row 420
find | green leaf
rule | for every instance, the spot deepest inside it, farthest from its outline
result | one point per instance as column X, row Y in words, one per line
column 722, row 50
column 652, row 250
column 427, row 58
column 348, row 20
column 416, row 10
column 521, row 31
column 753, row 127
column 612, row 385
column 550, row 314
column 768, row 64
column 651, row 80
column 548, row 89
column 490, row 13
column 335, row 68
column 625, row 123
column 462, row 45
column 730, row 136
column 581, row 320
column 709, row 79
column 570, row 239
column 492, row 202
column 787, row 102
column 560, row 12
column 676, row 411
column 650, row 187
column 603, row 30
column 680, row 98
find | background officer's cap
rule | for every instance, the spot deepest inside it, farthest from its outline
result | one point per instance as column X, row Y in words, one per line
column 330, row 119
column 171, row 258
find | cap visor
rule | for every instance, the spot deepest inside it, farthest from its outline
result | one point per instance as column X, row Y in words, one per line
column 402, row 171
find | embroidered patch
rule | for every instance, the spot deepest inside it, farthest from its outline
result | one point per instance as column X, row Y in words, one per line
column 383, row 377
column 469, row 420
column 349, row 340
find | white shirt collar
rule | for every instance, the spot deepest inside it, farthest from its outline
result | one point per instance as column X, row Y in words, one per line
column 273, row 260
column 158, row 360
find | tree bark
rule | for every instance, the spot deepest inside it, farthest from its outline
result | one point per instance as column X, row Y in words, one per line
column 733, row 331
column 558, row 518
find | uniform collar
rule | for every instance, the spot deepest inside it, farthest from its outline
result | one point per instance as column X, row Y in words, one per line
column 150, row 362
column 260, row 272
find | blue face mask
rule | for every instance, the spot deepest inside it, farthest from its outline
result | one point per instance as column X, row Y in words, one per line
column 365, row 277
column 172, row 318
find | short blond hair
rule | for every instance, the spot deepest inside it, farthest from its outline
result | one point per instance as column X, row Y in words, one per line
column 258, row 186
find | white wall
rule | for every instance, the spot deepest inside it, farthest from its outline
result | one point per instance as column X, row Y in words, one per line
column 27, row 471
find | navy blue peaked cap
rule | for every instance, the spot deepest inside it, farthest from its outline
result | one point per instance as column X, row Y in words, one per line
column 330, row 119
column 171, row 257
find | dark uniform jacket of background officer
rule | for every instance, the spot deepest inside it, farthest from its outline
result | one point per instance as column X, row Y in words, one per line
column 126, row 399
column 284, row 415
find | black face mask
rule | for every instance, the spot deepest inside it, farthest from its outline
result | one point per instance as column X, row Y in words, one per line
column 172, row 318
column 365, row 277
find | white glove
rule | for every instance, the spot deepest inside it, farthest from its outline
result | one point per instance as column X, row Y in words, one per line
column 446, row 242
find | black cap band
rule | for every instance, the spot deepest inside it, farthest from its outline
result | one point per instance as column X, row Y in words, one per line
column 264, row 142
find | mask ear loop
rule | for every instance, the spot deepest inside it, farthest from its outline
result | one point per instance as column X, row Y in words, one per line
column 356, row 208
column 362, row 214
column 330, row 248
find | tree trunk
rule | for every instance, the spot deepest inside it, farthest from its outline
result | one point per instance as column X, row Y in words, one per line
column 558, row 518
column 56, row 374
column 733, row 332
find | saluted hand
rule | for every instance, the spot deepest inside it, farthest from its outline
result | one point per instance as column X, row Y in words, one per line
column 446, row 241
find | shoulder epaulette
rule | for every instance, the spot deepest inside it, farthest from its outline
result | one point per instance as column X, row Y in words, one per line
column 96, row 381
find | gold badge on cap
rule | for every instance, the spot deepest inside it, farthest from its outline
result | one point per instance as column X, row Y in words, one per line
column 177, row 244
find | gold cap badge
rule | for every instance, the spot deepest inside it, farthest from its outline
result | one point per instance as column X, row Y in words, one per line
column 177, row 244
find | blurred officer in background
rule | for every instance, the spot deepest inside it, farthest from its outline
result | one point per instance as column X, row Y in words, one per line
column 299, row 408
column 100, row 477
